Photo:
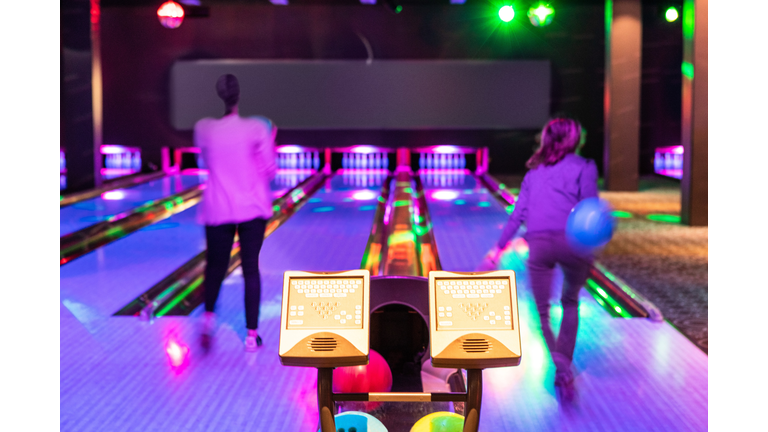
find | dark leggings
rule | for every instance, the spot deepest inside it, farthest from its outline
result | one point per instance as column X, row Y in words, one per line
column 548, row 248
column 220, row 239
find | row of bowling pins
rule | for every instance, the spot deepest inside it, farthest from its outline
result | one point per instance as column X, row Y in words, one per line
column 290, row 180
column 304, row 160
column 365, row 161
column 363, row 179
column 662, row 161
column 123, row 160
column 440, row 160
column 443, row 180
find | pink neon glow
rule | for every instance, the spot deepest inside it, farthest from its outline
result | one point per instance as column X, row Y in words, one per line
column 678, row 149
column 113, row 195
column 118, row 149
column 193, row 171
column 177, row 353
column 445, row 195
column 117, row 171
column 674, row 173
column 364, row 195
column 365, row 149
column 360, row 171
column 290, row 149
column 189, row 149
column 446, row 149
column 444, row 171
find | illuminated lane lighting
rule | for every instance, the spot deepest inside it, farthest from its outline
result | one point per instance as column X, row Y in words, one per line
column 687, row 69
column 541, row 14
column 322, row 209
column 671, row 14
column 664, row 218
column 114, row 195
column 445, row 195
column 621, row 214
column 364, row 195
column 506, row 13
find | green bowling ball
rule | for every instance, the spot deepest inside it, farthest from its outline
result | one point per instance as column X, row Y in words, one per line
column 441, row 421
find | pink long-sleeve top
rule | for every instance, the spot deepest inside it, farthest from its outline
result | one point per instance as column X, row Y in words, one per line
column 240, row 156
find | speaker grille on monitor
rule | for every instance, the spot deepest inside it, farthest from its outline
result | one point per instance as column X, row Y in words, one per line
column 476, row 345
column 322, row 344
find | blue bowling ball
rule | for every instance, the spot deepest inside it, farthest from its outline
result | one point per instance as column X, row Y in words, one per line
column 590, row 224
column 356, row 421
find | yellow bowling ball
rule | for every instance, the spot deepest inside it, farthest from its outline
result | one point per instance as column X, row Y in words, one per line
column 441, row 421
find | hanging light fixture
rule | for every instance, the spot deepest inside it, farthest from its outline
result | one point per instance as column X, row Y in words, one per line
column 170, row 14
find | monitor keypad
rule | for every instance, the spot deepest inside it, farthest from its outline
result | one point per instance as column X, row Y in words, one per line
column 329, row 302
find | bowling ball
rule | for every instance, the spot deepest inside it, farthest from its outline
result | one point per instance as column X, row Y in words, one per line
column 441, row 421
column 590, row 224
column 356, row 421
column 376, row 376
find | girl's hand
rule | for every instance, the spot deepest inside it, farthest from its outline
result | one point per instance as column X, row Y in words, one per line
column 494, row 255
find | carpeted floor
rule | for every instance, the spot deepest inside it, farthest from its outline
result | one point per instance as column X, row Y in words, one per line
column 661, row 259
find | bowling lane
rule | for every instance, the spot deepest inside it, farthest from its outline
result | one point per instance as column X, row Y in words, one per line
column 115, row 367
column 83, row 214
column 108, row 278
column 632, row 374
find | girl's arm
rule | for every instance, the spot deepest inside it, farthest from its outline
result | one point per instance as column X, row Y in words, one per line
column 519, row 214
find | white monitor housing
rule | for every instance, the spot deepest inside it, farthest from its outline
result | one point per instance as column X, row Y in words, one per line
column 325, row 318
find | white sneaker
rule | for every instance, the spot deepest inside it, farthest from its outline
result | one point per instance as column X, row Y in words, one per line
column 252, row 341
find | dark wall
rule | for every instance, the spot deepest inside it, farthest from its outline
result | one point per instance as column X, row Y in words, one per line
column 137, row 55
column 661, row 91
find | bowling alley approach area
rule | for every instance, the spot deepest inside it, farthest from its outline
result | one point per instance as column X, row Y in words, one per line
column 426, row 216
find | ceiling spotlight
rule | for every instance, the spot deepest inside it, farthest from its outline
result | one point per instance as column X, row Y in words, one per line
column 394, row 6
column 506, row 13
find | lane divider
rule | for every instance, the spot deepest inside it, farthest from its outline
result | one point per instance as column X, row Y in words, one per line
column 119, row 183
column 79, row 243
column 181, row 292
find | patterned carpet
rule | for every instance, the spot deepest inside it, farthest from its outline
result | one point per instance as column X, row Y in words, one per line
column 662, row 260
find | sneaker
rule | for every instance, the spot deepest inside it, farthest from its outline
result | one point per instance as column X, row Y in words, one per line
column 207, row 329
column 564, row 385
column 252, row 341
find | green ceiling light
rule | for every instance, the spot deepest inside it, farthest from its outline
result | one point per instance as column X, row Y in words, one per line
column 671, row 14
column 506, row 13
column 541, row 14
